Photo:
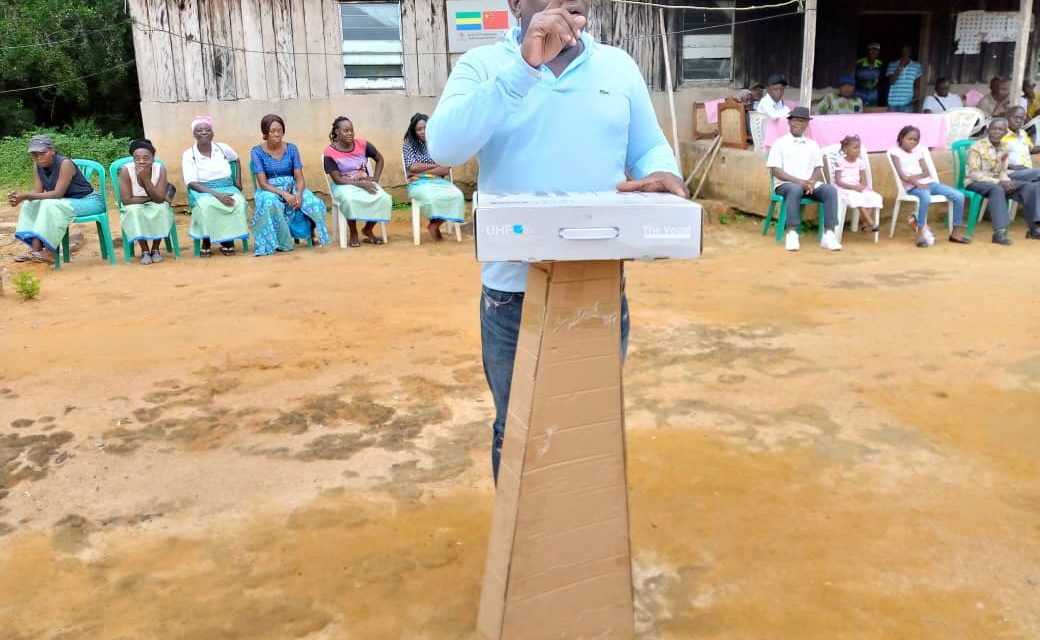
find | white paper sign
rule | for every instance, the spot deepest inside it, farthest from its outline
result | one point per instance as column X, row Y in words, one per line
column 976, row 27
column 473, row 23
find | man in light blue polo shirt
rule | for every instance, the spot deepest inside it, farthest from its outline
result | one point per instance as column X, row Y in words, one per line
column 904, row 77
column 547, row 109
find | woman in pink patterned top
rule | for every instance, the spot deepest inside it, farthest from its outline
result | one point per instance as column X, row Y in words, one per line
column 851, row 180
column 357, row 193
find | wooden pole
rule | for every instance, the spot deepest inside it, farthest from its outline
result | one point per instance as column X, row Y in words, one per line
column 808, row 54
column 1025, row 23
column 671, row 95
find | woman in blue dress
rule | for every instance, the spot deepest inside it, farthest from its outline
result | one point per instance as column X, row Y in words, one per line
column 285, row 208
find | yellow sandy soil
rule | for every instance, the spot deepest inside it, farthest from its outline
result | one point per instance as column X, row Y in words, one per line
column 821, row 446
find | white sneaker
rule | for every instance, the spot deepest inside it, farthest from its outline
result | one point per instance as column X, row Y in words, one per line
column 830, row 241
column 929, row 236
column 791, row 242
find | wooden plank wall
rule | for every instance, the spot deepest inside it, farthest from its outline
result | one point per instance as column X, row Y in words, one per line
column 197, row 50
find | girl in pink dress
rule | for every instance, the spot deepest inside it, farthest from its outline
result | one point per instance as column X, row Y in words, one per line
column 851, row 180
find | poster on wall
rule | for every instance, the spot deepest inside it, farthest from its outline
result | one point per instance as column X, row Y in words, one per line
column 976, row 27
column 472, row 23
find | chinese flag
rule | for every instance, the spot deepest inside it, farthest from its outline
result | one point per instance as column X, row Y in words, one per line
column 496, row 20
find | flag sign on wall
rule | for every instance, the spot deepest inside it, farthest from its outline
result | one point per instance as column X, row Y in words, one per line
column 472, row 23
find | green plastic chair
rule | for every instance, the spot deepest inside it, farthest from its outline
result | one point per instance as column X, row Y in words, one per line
column 781, row 218
column 974, row 200
column 173, row 244
column 256, row 188
column 197, row 244
column 89, row 169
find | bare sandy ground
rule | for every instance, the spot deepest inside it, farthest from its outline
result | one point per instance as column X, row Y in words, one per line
column 821, row 446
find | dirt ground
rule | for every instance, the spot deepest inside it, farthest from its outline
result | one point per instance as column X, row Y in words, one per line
column 296, row 447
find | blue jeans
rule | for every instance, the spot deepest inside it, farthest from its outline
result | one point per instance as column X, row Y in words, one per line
column 924, row 198
column 499, row 330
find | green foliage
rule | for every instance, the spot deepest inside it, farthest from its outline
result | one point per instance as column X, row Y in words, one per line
column 27, row 285
column 81, row 140
column 57, row 42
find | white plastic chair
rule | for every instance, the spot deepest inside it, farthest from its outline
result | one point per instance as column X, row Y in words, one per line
column 963, row 123
column 757, row 123
column 831, row 154
column 339, row 220
column 417, row 211
column 906, row 197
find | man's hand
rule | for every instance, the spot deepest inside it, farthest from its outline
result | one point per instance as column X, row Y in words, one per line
column 658, row 181
column 551, row 31
column 808, row 186
column 1009, row 187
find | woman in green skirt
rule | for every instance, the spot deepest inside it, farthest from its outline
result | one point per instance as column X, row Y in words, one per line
column 60, row 193
column 146, row 216
column 428, row 182
column 357, row 192
column 218, row 208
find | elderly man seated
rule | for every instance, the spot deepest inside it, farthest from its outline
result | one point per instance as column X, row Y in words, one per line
column 772, row 104
column 941, row 100
column 797, row 167
column 998, row 101
column 843, row 102
column 987, row 174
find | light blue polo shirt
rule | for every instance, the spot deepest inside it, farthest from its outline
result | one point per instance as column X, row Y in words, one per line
column 532, row 131
column 901, row 93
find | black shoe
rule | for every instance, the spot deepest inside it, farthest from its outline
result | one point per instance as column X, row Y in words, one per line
column 1000, row 236
column 1033, row 234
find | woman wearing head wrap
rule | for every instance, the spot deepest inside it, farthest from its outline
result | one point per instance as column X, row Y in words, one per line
column 145, row 215
column 357, row 193
column 218, row 209
column 285, row 208
column 438, row 198
column 60, row 193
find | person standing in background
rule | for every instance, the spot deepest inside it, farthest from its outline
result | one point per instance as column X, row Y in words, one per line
column 904, row 78
column 772, row 104
column 868, row 75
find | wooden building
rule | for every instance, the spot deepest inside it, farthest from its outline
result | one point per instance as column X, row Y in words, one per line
column 380, row 61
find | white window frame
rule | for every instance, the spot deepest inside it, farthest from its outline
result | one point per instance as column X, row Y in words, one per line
column 362, row 52
column 707, row 45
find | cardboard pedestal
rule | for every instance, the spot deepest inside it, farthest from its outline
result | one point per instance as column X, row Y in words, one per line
column 558, row 562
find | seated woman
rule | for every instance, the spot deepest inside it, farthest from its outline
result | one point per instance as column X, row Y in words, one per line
column 218, row 208
column 438, row 198
column 146, row 215
column 358, row 194
column 285, row 208
column 60, row 193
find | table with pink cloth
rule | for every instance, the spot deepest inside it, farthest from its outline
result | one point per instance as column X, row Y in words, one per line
column 877, row 131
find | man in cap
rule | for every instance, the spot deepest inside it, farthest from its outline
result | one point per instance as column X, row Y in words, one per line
column 797, row 167
column 942, row 100
column 868, row 75
column 772, row 104
column 845, row 101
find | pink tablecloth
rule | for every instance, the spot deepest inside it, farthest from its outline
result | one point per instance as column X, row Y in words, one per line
column 711, row 109
column 877, row 131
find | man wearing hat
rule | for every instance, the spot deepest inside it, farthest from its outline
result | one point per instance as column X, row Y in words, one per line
column 797, row 167
column 772, row 104
column 845, row 101
column 868, row 75
column 757, row 91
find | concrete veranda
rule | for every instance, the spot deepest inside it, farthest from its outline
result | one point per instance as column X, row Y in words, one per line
column 821, row 445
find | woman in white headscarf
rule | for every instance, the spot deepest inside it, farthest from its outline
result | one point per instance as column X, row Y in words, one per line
column 218, row 208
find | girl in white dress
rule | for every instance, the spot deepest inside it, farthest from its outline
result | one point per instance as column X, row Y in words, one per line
column 851, row 180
